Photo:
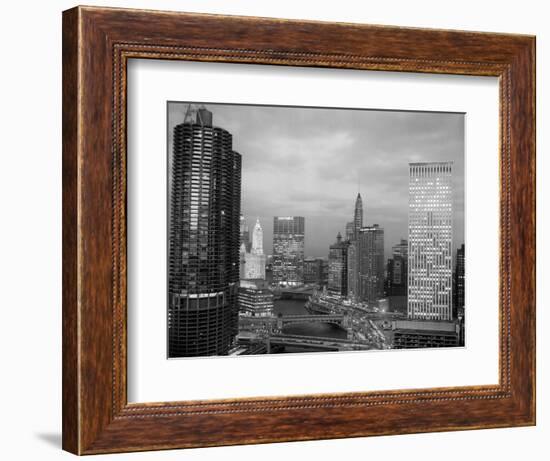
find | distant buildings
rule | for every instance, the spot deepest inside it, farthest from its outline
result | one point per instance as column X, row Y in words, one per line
column 313, row 271
column 353, row 270
column 245, row 234
column 203, row 264
column 371, row 263
column 253, row 261
column 357, row 216
column 288, row 250
column 430, row 241
column 350, row 231
column 397, row 277
column 338, row 267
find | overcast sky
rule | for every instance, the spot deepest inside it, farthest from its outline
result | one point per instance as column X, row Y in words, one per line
column 311, row 162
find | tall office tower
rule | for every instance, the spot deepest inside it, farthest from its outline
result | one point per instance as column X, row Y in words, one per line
column 338, row 267
column 358, row 216
column 245, row 234
column 203, row 265
column 371, row 263
column 350, row 231
column 430, row 241
column 254, row 261
column 459, row 283
column 288, row 250
column 353, row 270
column 352, row 235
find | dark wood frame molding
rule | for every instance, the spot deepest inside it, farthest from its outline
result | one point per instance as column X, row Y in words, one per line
column 97, row 43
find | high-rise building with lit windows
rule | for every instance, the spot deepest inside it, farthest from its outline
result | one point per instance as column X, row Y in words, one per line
column 288, row 250
column 338, row 267
column 204, row 236
column 430, row 257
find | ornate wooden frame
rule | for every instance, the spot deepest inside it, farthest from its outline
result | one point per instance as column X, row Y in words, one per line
column 97, row 43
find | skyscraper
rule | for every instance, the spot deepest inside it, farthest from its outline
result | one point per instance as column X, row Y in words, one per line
column 254, row 260
column 203, row 265
column 397, row 277
column 358, row 216
column 338, row 267
column 371, row 263
column 288, row 249
column 459, row 283
column 430, row 241
column 353, row 270
column 352, row 235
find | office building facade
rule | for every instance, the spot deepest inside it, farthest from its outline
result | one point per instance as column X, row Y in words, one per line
column 371, row 264
column 459, row 283
column 288, row 250
column 338, row 267
column 397, row 270
column 255, row 299
column 430, row 258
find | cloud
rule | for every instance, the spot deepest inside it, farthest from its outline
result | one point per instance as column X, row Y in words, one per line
column 311, row 162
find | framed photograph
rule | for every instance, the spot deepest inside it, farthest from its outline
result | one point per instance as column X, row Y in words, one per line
column 282, row 230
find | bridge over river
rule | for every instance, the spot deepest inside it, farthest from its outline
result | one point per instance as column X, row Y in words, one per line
column 280, row 321
column 303, row 342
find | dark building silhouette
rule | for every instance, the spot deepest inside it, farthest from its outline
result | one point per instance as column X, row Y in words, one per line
column 313, row 271
column 397, row 276
column 288, row 250
column 338, row 267
column 371, row 263
column 204, row 237
column 459, row 284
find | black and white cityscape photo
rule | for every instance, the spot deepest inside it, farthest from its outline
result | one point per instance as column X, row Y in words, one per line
column 305, row 229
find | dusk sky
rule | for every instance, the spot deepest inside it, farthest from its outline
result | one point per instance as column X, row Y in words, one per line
column 311, row 162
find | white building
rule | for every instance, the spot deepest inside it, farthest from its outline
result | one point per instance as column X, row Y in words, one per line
column 430, row 241
column 253, row 262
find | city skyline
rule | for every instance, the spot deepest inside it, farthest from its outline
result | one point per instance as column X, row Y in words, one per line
column 226, row 298
column 379, row 145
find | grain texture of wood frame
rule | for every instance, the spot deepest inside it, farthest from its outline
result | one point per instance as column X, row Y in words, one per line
column 97, row 43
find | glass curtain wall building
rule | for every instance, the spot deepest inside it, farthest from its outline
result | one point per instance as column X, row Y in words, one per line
column 288, row 250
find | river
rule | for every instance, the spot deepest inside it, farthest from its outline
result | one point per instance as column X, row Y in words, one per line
column 297, row 307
